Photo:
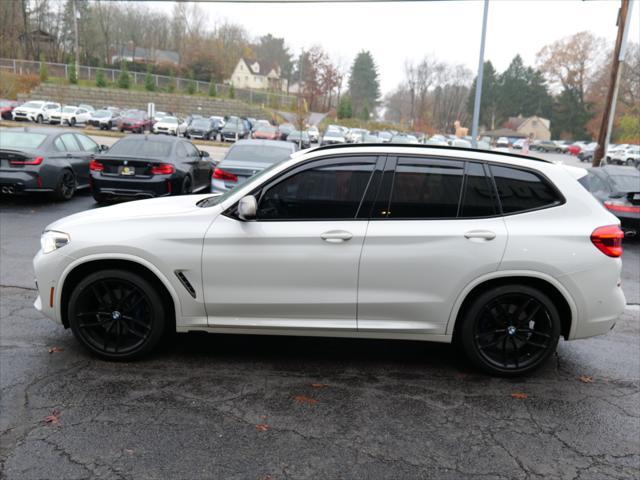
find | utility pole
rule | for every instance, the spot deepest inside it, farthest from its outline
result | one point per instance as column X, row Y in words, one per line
column 300, row 122
column 476, row 103
column 75, row 28
column 612, row 94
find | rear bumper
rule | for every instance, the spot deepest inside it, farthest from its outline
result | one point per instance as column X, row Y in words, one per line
column 15, row 182
column 132, row 188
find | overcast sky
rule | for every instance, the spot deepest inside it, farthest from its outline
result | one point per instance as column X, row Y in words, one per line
column 448, row 30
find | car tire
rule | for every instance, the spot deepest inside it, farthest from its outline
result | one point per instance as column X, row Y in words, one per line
column 558, row 150
column 630, row 162
column 187, row 186
column 509, row 330
column 117, row 314
column 39, row 119
column 72, row 122
column 109, row 126
column 65, row 186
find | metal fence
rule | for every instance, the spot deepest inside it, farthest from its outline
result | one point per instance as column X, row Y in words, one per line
column 61, row 70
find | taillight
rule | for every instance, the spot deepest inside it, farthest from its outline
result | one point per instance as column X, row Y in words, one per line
column 96, row 166
column 163, row 169
column 35, row 161
column 220, row 174
column 618, row 206
column 608, row 240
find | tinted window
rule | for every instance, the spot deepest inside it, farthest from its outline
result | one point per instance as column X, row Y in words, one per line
column 59, row 145
column 258, row 153
column 70, row 142
column 520, row 190
column 426, row 189
column 11, row 139
column 322, row 192
column 181, row 151
column 627, row 183
column 477, row 200
column 145, row 147
column 87, row 144
column 191, row 150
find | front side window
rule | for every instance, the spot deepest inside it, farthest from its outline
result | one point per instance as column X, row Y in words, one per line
column 521, row 190
column 322, row 192
column 426, row 189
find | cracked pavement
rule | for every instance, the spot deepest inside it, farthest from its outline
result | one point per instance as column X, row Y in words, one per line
column 250, row 407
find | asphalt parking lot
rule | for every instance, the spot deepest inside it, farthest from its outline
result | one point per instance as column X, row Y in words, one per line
column 248, row 407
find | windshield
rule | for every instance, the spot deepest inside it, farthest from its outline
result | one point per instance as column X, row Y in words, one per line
column 199, row 123
column 69, row 109
column 33, row 104
column 141, row 148
column 13, row 140
column 266, row 129
column 102, row 113
column 333, row 133
column 258, row 153
column 136, row 115
column 170, row 120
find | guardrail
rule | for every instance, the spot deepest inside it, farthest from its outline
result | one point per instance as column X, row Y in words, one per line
column 61, row 70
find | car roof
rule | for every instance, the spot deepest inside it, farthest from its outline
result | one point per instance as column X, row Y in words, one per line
column 152, row 138
column 264, row 143
column 620, row 170
column 45, row 130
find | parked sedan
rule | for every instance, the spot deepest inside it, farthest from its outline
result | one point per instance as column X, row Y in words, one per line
column 299, row 138
column 546, row 146
column 202, row 128
column 618, row 189
column 167, row 125
column 235, row 129
column 45, row 160
column 265, row 132
column 136, row 121
column 138, row 167
column 333, row 137
column 104, row 119
column 6, row 107
column 245, row 159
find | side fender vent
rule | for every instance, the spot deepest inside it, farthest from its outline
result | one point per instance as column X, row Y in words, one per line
column 185, row 283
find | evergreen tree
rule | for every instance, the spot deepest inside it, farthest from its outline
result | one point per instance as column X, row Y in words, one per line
column 344, row 109
column 172, row 83
column 570, row 116
column 488, row 101
column 101, row 81
column 191, row 85
column 149, row 82
column 213, row 91
column 364, row 86
column 124, row 80
column 73, row 74
column 232, row 91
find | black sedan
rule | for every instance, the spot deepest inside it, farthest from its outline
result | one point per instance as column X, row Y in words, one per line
column 618, row 188
column 301, row 139
column 235, row 129
column 142, row 166
column 203, row 128
column 45, row 160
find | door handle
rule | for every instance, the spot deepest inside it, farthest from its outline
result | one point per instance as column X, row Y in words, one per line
column 480, row 235
column 336, row 236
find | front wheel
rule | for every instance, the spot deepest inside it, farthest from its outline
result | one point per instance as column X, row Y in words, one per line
column 510, row 330
column 116, row 314
column 72, row 122
column 630, row 162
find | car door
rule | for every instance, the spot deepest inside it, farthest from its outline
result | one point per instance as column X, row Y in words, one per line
column 296, row 265
column 200, row 166
column 89, row 150
column 77, row 158
column 434, row 229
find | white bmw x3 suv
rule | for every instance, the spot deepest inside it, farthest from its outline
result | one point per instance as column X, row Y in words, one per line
column 499, row 253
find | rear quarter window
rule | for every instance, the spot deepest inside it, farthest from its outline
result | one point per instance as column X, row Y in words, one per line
column 522, row 190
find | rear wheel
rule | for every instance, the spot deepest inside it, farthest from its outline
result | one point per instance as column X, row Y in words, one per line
column 66, row 186
column 72, row 122
column 630, row 162
column 510, row 330
column 116, row 314
column 39, row 119
column 187, row 185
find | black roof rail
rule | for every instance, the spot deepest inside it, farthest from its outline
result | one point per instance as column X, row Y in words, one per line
column 434, row 147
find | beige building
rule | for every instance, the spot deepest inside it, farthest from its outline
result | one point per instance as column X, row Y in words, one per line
column 537, row 128
column 257, row 75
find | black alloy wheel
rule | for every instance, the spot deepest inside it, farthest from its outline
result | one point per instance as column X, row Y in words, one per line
column 510, row 330
column 66, row 186
column 116, row 314
column 72, row 122
column 187, row 186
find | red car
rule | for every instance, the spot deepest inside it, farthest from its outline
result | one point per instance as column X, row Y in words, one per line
column 6, row 107
column 135, row 121
column 266, row 132
column 575, row 148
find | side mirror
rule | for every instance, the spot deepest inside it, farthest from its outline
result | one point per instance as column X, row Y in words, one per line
column 204, row 154
column 247, row 208
column 104, row 148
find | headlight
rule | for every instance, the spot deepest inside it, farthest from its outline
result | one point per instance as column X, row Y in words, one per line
column 52, row 240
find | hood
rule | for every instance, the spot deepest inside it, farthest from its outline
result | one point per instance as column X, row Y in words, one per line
column 136, row 210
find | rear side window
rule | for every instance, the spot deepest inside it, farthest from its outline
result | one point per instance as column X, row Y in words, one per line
column 426, row 189
column 521, row 190
column 478, row 198
column 324, row 192
column 87, row 144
